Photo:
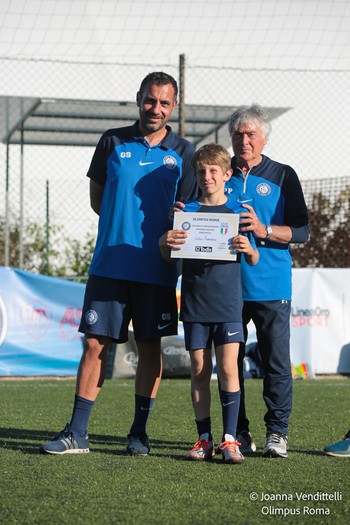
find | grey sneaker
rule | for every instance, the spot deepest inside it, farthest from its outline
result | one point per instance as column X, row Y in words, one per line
column 276, row 445
column 229, row 449
column 67, row 442
column 247, row 445
column 138, row 445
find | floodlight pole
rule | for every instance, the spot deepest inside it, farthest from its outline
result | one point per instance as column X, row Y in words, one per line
column 182, row 96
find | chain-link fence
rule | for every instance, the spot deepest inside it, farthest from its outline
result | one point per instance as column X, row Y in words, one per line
column 46, row 223
column 328, row 202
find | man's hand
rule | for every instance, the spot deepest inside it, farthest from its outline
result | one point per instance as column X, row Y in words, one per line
column 178, row 206
column 250, row 223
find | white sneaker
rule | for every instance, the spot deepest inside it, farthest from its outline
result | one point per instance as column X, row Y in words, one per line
column 247, row 445
column 229, row 449
column 276, row 445
column 203, row 449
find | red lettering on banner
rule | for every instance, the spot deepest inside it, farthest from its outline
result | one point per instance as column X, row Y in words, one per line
column 36, row 319
column 310, row 322
column 69, row 323
column 71, row 316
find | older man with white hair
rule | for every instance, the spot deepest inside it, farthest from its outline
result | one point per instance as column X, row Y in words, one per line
column 274, row 210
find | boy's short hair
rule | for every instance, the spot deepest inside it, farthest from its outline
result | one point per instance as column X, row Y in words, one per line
column 212, row 154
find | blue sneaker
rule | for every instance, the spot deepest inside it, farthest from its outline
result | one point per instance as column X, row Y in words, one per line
column 67, row 442
column 341, row 449
column 138, row 445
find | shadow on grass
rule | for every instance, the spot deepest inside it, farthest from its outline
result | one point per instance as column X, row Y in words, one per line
column 28, row 441
column 258, row 454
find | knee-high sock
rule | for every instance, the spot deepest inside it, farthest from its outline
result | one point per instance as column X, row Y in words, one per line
column 143, row 409
column 230, row 408
column 81, row 414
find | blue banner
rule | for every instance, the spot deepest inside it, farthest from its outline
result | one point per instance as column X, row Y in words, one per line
column 39, row 319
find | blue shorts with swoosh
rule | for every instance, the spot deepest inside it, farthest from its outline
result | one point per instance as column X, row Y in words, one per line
column 110, row 305
column 203, row 335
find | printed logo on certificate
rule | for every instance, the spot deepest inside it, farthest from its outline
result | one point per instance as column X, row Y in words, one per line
column 209, row 235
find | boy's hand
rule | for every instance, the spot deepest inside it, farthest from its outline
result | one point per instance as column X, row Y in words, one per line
column 173, row 239
column 241, row 244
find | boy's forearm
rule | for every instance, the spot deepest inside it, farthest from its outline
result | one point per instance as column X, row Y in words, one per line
column 165, row 250
column 252, row 257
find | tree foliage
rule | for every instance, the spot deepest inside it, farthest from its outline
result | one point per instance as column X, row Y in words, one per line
column 329, row 245
column 60, row 257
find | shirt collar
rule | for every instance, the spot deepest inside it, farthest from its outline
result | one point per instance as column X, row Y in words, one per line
column 166, row 142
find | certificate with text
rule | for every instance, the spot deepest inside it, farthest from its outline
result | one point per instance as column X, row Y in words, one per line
column 209, row 235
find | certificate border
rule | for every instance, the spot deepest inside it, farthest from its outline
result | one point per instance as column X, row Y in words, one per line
column 231, row 218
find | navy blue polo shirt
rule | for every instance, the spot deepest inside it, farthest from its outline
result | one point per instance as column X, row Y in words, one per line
column 140, row 184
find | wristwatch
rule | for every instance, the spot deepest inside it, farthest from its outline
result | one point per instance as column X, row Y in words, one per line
column 269, row 232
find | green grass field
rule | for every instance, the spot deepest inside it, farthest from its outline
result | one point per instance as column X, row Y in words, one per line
column 109, row 487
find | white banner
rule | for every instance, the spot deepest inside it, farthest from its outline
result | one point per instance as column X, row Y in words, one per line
column 320, row 320
column 39, row 317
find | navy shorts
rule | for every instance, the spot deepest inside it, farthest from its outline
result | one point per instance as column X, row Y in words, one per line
column 203, row 335
column 110, row 305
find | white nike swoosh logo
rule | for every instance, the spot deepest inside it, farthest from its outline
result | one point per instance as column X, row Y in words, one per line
column 232, row 333
column 230, row 403
column 164, row 326
column 143, row 408
column 144, row 163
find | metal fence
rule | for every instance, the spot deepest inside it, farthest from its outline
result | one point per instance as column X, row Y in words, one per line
column 46, row 223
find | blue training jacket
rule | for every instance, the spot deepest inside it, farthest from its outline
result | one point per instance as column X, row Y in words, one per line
column 274, row 191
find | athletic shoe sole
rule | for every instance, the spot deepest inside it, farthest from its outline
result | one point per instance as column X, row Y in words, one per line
column 133, row 453
column 337, row 454
column 272, row 453
column 208, row 457
column 233, row 461
column 69, row 451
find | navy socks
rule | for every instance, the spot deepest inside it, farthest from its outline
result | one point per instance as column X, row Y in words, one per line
column 143, row 409
column 204, row 426
column 81, row 414
column 230, row 407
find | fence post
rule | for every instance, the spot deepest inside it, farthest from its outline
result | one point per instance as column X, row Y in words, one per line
column 47, row 244
column 182, row 96
column 7, row 208
column 21, row 203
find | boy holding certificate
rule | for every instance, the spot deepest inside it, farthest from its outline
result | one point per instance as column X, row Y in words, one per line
column 211, row 306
